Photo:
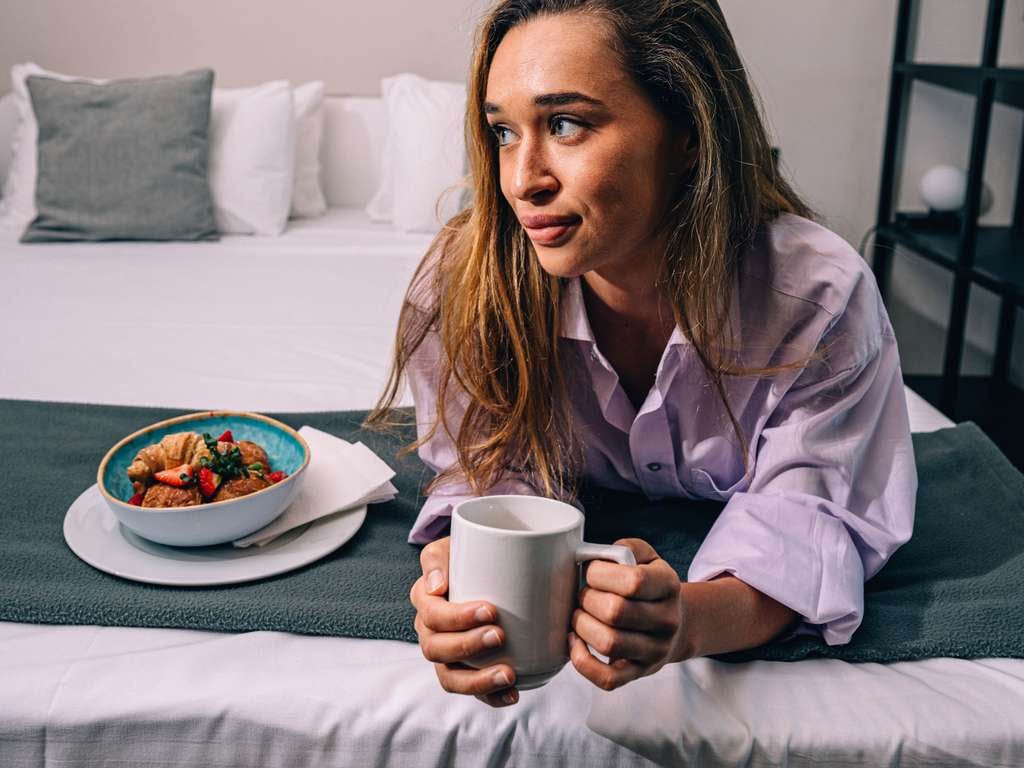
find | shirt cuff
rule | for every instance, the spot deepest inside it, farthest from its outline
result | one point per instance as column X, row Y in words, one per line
column 790, row 548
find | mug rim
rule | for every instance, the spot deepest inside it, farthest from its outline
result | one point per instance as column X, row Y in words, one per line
column 457, row 512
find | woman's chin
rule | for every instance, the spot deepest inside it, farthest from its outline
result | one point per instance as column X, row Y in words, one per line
column 557, row 263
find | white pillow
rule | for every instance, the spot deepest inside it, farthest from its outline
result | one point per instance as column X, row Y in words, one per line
column 308, row 197
column 245, row 154
column 424, row 153
column 252, row 158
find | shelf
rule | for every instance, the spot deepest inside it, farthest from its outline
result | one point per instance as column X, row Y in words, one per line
column 1009, row 81
column 998, row 257
column 997, row 408
column 992, row 257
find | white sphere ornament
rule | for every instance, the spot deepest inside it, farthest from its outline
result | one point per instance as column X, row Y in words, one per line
column 944, row 187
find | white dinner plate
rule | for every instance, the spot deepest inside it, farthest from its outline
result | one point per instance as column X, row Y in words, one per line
column 95, row 535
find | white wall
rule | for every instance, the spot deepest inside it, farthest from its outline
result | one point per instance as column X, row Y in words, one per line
column 821, row 66
column 350, row 44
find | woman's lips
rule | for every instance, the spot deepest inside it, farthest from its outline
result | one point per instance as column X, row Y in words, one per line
column 553, row 234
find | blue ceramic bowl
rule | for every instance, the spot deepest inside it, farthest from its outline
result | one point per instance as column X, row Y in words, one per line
column 219, row 521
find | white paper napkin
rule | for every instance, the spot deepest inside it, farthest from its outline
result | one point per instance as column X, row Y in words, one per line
column 341, row 475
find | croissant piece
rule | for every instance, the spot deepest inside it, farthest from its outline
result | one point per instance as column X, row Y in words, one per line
column 172, row 451
column 241, row 486
column 253, row 453
column 160, row 495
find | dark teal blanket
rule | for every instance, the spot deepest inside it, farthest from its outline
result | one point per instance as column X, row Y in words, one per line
column 956, row 589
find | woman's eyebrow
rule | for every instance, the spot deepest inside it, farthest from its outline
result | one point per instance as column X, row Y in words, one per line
column 552, row 100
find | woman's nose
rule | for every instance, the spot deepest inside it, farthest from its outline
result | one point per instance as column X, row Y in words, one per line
column 532, row 175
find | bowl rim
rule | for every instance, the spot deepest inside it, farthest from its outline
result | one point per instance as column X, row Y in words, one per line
column 196, row 416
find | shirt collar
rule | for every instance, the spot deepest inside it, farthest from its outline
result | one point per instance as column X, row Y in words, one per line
column 576, row 325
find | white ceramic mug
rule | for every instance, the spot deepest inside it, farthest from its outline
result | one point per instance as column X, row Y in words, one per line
column 522, row 554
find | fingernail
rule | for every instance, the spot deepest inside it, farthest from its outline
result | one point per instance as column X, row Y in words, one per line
column 434, row 580
column 483, row 614
column 502, row 678
column 491, row 638
column 511, row 697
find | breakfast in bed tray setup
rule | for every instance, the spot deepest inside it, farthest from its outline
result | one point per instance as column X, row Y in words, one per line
column 267, row 620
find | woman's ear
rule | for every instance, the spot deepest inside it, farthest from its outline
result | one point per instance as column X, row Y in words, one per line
column 685, row 152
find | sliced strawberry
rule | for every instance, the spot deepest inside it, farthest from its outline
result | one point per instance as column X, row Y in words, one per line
column 179, row 477
column 227, row 437
column 278, row 476
column 209, row 481
column 136, row 500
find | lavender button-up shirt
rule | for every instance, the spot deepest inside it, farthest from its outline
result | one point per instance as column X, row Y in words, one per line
column 829, row 492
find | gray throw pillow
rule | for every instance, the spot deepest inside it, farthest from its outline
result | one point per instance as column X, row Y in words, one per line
column 125, row 160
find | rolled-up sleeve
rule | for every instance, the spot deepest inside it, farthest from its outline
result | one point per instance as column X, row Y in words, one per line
column 831, row 498
column 439, row 453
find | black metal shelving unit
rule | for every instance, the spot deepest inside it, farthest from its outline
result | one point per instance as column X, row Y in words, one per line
column 990, row 257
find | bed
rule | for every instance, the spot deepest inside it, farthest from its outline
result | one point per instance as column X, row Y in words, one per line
column 312, row 325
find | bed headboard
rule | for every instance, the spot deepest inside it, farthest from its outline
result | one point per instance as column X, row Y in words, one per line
column 354, row 130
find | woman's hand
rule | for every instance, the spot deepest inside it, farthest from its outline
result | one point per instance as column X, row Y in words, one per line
column 634, row 615
column 641, row 617
column 450, row 633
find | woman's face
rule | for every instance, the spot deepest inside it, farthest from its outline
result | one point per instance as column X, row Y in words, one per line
column 584, row 157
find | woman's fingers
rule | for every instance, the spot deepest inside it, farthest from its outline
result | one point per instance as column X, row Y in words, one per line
column 452, row 647
column 620, row 643
column 655, row 580
column 491, row 685
column 476, row 682
column 442, row 616
column 605, row 676
column 657, row 617
column 501, row 698
column 642, row 551
column 434, row 562
column 450, row 633
column 427, row 595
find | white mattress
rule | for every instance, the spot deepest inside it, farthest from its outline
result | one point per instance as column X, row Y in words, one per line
column 310, row 318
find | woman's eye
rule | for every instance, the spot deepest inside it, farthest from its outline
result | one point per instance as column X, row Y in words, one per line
column 574, row 126
column 499, row 131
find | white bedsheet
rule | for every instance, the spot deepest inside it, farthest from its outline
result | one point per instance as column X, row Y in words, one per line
column 309, row 321
column 144, row 697
column 305, row 321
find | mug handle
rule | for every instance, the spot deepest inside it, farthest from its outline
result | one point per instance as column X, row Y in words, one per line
column 614, row 552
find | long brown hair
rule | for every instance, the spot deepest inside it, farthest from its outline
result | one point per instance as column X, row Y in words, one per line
column 496, row 311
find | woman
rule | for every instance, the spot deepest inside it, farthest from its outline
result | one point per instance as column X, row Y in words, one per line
column 635, row 297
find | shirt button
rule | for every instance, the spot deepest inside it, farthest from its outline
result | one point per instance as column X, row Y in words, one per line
column 654, row 466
